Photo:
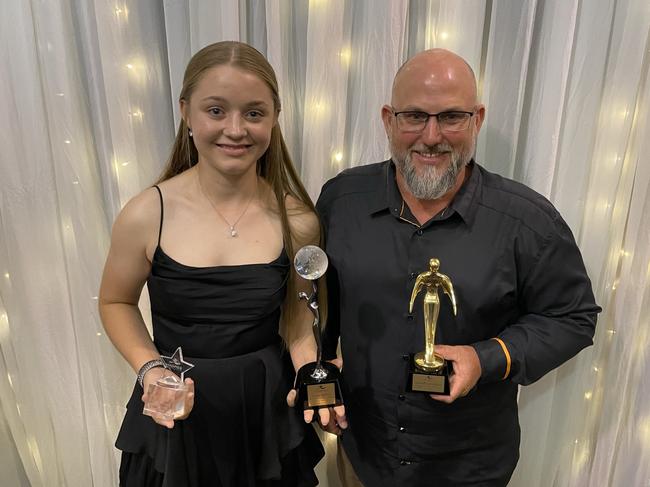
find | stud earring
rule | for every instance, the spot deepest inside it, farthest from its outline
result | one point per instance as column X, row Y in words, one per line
column 190, row 132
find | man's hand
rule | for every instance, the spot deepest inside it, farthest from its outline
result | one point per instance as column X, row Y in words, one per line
column 332, row 419
column 467, row 370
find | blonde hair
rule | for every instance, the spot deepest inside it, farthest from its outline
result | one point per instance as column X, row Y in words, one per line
column 275, row 165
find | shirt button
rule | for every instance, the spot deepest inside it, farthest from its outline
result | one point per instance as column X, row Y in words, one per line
column 420, row 232
column 401, row 397
column 405, row 357
column 402, row 429
column 409, row 317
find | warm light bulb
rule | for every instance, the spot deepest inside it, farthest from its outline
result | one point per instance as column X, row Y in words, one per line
column 444, row 35
column 345, row 55
column 588, row 395
column 338, row 156
column 99, row 334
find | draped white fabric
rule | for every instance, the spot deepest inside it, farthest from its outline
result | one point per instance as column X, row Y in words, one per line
column 90, row 90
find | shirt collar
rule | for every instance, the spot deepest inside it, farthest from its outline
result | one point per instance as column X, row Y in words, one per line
column 464, row 203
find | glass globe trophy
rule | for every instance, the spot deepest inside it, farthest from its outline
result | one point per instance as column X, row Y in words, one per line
column 317, row 382
column 166, row 397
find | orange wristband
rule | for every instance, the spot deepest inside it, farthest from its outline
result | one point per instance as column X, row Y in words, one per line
column 507, row 354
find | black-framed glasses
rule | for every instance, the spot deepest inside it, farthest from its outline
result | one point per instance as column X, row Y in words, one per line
column 414, row 121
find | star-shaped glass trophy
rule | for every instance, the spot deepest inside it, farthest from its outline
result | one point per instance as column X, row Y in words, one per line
column 166, row 397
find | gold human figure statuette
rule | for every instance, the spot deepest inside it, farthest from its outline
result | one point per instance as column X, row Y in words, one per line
column 431, row 280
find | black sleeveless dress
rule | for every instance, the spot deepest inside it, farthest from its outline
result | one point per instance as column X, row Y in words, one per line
column 241, row 431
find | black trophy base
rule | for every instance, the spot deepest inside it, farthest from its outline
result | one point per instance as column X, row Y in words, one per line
column 321, row 392
column 429, row 381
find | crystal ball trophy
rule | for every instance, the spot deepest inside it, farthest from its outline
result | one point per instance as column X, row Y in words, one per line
column 428, row 371
column 166, row 397
column 317, row 382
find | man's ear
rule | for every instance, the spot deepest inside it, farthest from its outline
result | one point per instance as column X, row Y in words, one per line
column 386, row 116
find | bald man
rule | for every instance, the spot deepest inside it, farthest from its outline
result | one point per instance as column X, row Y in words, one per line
column 525, row 303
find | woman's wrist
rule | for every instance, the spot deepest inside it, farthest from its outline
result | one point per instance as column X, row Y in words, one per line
column 147, row 367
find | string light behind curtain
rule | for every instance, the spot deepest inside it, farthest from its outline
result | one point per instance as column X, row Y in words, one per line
column 91, row 91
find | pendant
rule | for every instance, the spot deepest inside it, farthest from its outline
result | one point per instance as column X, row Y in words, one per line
column 233, row 232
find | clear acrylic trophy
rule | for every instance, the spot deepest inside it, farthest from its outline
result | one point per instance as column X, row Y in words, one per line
column 166, row 397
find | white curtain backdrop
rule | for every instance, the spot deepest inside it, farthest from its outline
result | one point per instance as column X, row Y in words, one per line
column 90, row 92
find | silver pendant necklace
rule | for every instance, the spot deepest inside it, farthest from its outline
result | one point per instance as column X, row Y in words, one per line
column 233, row 230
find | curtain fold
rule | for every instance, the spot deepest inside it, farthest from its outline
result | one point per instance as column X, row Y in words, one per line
column 91, row 108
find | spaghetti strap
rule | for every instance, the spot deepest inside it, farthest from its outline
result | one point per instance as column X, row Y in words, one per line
column 161, row 213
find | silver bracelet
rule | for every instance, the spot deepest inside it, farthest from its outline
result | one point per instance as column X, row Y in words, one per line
column 147, row 367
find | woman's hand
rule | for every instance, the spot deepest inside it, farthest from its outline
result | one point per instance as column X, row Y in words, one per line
column 332, row 419
column 157, row 373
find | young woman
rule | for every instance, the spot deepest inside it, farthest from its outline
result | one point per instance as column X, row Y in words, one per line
column 214, row 241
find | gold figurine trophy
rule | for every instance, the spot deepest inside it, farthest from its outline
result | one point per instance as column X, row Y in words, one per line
column 430, row 372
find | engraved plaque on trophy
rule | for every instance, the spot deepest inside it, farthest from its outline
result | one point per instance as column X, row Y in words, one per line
column 317, row 382
column 428, row 371
column 166, row 397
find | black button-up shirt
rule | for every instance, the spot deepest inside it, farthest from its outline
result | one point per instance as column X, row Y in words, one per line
column 518, row 277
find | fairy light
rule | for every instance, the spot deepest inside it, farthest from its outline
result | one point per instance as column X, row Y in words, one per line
column 36, row 454
column 7, row 275
column 345, row 54
column 125, row 163
column 319, row 108
column 60, row 94
column 644, row 432
column 121, row 12
column 588, row 395
column 596, row 369
column 624, row 113
column 75, row 182
column 99, row 334
column 67, row 141
column 11, row 382
column 581, row 456
column 444, row 35
column 130, row 66
column 338, row 156
column 4, row 328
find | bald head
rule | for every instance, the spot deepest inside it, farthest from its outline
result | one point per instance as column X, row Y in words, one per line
column 436, row 69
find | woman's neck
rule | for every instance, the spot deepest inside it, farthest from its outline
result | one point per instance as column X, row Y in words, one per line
column 222, row 188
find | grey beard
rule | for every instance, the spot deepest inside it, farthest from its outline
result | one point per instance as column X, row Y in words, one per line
column 432, row 184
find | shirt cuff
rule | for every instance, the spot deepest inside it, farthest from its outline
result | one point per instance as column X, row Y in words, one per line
column 495, row 359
